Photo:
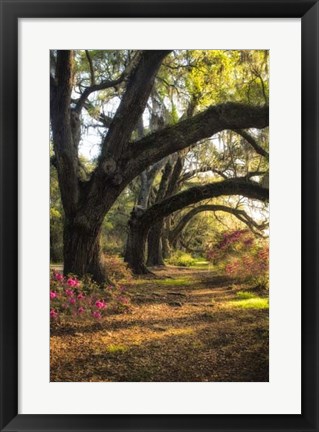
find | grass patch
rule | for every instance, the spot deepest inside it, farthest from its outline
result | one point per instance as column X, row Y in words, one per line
column 253, row 303
column 245, row 295
column 174, row 282
column 248, row 300
column 116, row 348
column 200, row 262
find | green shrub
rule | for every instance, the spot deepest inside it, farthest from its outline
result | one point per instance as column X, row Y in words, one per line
column 180, row 258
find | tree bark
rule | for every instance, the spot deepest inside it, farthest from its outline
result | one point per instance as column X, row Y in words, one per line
column 135, row 247
column 167, row 187
column 154, row 245
column 82, row 251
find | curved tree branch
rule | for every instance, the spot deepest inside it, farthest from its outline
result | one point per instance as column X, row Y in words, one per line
column 251, row 140
column 105, row 84
column 238, row 186
column 240, row 214
column 189, row 174
column 204, row 125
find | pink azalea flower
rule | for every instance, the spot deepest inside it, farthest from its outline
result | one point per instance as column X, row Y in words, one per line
column 81, row 310
column 72, row 300
column 53, row 314
column 58, row 276
column 81, row 296
column 53, row 295
column 73, row 282
column 100, row 304
column 69, row 293
column 97, row 314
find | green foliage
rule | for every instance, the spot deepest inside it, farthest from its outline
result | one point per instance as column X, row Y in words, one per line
column 180, row 258
column 56, row 219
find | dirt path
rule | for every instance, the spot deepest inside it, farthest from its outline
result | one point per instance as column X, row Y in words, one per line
column 187, row 326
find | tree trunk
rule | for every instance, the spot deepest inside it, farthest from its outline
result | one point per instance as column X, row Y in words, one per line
column 166, row 248
column 82, row 251
column 135, row 247
column 154, row 245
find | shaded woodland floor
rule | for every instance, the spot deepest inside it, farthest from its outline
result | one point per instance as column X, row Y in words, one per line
column 188, row 325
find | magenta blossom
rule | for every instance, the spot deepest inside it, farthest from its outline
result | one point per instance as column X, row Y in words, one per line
column 73, row 282
column 53, row 314
column 81, row 310
column 69, row 293
column 72, row 300
column 81, row 296
column 53, row 295
column 97, row 315
column 100, row 304
column 58, row 276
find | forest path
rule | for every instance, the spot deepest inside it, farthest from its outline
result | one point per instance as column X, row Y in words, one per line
column 187, row 325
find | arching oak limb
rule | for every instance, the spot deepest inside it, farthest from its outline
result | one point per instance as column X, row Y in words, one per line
column 141, row 221
column 251, row 140
column 186, row 218
column 231, row 115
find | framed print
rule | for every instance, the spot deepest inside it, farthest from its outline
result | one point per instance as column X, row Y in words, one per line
column 159, row 215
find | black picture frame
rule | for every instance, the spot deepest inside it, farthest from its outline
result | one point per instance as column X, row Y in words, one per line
column 11, row 11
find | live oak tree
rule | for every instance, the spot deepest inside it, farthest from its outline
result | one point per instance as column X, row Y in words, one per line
column 141, row 221
column 237, row 159
column 86, row 199
column 242, row 151
column 208, row 82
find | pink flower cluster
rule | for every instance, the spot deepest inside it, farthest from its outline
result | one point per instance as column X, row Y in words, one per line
column 100, row 304
column 241, row 255
column 253, row 266
column 71, row 297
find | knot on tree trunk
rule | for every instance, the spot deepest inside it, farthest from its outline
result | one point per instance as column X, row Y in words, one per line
column 82, row 222
column 117, row 179
column 109, row 166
